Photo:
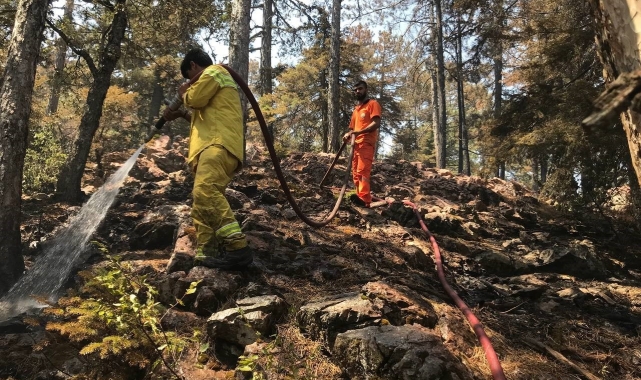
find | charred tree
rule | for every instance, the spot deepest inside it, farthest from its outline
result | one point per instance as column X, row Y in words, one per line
column 15, row 108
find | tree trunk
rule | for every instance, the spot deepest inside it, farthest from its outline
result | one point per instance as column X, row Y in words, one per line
column 266, row 49
column 435, row 109
column 536, row 174
column 498, row 73
column 441, row 134
column 266, row 86
column 324, row 111
column 333, row 100
column 59, row 65
column 239, row 49
column 325, row 32
column 156, row 99
column 464, row 153
column 15, row 107
column 617, row 42
column 69, row 182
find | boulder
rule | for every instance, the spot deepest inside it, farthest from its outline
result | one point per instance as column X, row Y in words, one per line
column 579, row 259
column 253, row 318
column 324, row 319
column 396, row 352
column 215, row 288
column 378, row 303
column 402, row 305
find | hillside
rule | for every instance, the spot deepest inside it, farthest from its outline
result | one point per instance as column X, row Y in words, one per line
column 360, row 297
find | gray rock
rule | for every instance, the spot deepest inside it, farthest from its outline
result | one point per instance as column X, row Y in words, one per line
column 215, row 288
column 326, row 318
column 167, row 289
column 578, row 259
column 253, row 318
column 401, row 304
column 500, row 263
column 396, row 352
column 237, row 200
column 379, row 303
column 182, row 257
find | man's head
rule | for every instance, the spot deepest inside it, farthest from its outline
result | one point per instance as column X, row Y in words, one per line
column 360, row 90
column 194, row 62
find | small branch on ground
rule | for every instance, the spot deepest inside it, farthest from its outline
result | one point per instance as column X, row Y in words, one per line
column 557, row 355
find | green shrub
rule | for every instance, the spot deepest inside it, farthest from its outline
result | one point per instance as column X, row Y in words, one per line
column 117, row 319
column 43, row 160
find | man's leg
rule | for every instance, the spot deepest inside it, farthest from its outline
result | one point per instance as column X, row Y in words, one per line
column 355, row 176
column 215, row 223
column 364, row 169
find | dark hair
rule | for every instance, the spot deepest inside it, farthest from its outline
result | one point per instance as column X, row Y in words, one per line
column 359, row 83
column 197, row 56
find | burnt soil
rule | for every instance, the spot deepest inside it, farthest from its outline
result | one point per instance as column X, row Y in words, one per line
column 528, row 270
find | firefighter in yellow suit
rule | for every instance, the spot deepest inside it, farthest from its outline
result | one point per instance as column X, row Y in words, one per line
column 215, row 154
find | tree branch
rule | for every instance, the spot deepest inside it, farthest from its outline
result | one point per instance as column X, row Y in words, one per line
column 81, row 52
column 618, row 97
column 104, row 3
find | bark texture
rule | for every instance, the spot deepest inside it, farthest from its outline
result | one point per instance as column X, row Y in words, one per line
column 69, row 182
column 618, row 43
column 266, row 48
column 333, row 106
column 239, row 49
column 15, row 107
column 440, row 137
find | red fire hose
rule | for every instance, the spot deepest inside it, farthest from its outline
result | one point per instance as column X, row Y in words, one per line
column 477, row 326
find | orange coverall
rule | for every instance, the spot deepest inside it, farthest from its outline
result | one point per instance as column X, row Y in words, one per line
column 364, row 146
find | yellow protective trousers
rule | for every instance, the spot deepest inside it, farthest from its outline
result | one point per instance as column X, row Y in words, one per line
column 216, row 226
column 362, row 168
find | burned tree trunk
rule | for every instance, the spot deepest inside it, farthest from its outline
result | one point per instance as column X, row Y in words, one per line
column 15, row 108
column 69, row 181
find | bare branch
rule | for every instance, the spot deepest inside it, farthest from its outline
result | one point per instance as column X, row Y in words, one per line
column 81, row 52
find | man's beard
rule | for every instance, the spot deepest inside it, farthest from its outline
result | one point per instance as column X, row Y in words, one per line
column 360, row 97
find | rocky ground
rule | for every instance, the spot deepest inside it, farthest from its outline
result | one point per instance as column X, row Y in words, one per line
column 360, row 298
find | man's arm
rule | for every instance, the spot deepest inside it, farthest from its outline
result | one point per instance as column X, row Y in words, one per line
column 376, row 122
column 199, row 93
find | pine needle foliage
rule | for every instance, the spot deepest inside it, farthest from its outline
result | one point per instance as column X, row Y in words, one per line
column 116, row 318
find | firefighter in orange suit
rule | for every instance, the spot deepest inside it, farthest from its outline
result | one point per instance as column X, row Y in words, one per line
column 215, row 155
column 366, row 119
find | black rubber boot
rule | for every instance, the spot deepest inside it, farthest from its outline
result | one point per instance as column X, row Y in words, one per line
column 238, row 259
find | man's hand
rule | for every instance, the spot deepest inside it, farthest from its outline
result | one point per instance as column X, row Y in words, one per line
column 170, row 115
column 347, row 135
column 183, row 88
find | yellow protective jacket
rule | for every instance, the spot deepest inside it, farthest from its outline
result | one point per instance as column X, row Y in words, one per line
column 217, row 118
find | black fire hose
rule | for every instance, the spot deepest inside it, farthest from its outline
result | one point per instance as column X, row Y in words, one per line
column 322, row 182
column 272, row 153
